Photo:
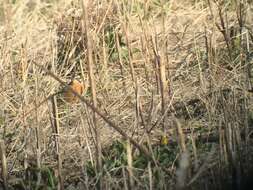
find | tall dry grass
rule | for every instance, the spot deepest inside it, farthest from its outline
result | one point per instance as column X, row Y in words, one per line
column 168, row 101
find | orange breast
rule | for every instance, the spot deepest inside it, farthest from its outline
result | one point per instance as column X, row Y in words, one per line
column 69, row 96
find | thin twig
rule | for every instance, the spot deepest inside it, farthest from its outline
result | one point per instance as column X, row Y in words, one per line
column 95, row 109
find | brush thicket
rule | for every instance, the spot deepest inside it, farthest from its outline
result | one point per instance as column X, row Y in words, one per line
column 169, row 98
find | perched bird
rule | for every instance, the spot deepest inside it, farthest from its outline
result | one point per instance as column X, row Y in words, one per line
column 66, row 94
column 69, row 96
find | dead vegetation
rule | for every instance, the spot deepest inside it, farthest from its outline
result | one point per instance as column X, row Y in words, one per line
column 168, row 102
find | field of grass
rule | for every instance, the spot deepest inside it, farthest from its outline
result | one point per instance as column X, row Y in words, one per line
column 167, row 101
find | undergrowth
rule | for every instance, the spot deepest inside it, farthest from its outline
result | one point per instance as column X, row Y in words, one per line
column 167, row 100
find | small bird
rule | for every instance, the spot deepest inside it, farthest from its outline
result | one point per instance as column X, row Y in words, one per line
column 66, row 94
column 69, row 96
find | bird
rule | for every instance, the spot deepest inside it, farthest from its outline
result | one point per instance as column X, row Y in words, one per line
column 69, row 96
column 66, row 94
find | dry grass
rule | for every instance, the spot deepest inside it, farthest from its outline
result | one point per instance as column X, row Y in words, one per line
column 174, row 76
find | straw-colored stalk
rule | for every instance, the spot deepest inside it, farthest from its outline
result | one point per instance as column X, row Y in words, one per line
column 88, row 38
column 4, row 165
column 56, row 128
